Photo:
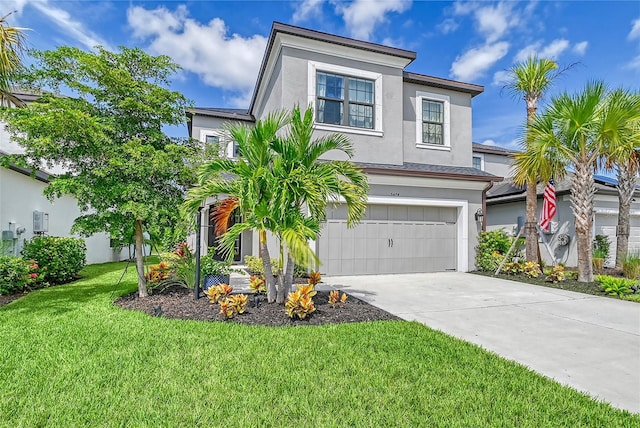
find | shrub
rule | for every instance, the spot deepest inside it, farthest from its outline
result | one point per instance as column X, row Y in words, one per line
column 334, row 298
column 615, row 286
column 491, row 248
column 258, row 284
column 555, row 274
column 300, row 303
column 16, row 274
column 218, row 292
column 531, row 269
column 256, row 267
column 601, row 247
column 61, row 259
column 299, row 271
column 158, row 273
column 631, row 266
column 314, row 277
column 513, row 268
column 226, row 308
column 238, row 302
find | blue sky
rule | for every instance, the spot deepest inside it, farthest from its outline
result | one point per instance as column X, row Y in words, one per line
column 220, row 44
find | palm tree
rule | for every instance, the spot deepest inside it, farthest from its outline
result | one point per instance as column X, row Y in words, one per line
column 621, row 132
column 571, row 134
column 246, row 184
column 530, row 80
column 308, row 183
column 12, row 46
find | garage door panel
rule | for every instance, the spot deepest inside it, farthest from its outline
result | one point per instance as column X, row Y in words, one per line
column 388, row 245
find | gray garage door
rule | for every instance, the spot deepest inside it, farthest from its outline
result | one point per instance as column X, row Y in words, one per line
column 391, row 239
column 606, row 224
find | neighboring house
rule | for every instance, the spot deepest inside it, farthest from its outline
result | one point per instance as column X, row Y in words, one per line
column 506, row 209
column 412, row 137
column 25, row 212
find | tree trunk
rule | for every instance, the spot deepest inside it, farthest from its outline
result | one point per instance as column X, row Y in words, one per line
column 287, row 280
column 626, row 184
column 582, row 191
column 266, row 263
column 530, row 225
column 279, row 295
column 142, row 282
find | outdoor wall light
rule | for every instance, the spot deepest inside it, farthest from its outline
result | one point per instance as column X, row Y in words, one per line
column 479, row 215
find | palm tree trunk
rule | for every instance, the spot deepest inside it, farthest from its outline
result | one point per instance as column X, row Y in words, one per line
column 142, row 282
column 266, row 263
column 287, row 280
column 582, row 191
column 530, row 225
column 626, row 184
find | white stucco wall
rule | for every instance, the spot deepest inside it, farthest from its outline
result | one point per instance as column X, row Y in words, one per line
column 21, row 195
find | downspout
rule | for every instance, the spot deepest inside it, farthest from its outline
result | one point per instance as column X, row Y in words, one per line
column 484, row 205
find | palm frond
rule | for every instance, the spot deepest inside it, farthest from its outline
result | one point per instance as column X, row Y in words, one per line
column 222, row 214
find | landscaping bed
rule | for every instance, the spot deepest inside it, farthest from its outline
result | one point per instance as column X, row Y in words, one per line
column 178, row 302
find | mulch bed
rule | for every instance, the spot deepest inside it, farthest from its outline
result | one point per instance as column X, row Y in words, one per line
column 178, row 302
column 6, row 299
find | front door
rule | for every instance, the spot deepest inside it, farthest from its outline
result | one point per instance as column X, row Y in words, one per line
column 213, row 240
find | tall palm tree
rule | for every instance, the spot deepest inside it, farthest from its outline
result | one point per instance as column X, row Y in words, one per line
column 621, row 134
column 530, row 80
column 245, row 184
column 307, row 183
column 571, row 134
column 12, row 46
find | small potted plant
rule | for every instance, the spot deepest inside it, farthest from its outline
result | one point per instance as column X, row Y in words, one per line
column 215, row 271
column 599, row 256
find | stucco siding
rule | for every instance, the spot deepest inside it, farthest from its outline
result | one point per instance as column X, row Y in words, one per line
column 497, row 165
column 459, row 153
column 21, row 195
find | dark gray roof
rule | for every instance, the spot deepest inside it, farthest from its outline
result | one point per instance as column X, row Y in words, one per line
column 37, row 174
column 223, row 113
column 507, row 191
column 419, row 169
column 494, row 150
column 439, row 82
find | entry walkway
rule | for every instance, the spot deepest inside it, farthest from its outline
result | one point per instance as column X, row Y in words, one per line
column 587, row 342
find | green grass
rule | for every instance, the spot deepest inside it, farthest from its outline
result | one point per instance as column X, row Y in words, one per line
column 71, row 358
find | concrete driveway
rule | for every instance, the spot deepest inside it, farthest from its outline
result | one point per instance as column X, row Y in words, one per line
column 589, row 343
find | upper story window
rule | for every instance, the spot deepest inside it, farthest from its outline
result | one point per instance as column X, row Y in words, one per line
column 478, row 162
column 226, row 147
column 344, row 100
column 432, row 121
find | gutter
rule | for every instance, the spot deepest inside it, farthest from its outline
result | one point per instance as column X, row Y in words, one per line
column 435, row 174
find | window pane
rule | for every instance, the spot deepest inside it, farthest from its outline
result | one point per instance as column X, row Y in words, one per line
column 329, row 112
column 361, row 90
column 477, row 162
column 432, row 133
column 433, row 111
column 333, row 86
column 212, row 139
column 361, row 116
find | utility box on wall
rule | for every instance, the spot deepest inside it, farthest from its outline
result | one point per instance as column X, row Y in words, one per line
column 40, row 222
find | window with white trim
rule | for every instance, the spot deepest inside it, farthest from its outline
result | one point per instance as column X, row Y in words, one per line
column 337, row 94
column 432, row 121
column 478, row 162
column 226, row 147
column 345, row 99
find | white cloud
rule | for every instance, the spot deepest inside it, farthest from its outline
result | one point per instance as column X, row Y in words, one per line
column 552, row 51
column 494, row 21
column 580, row 48
column 489, row 143
column 500, row 78
column 63, row 20
column 447, row 26
column 306, row 9
column 362, row 16
column 635, row 30
column 475, row 62
column 230, row 62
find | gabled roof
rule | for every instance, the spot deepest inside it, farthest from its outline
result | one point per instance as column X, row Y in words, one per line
column 439, row 82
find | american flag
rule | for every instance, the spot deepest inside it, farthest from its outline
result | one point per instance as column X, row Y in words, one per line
column 548, row 206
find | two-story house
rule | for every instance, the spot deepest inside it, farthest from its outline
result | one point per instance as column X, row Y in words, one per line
column 412, row 137
column 506, row 209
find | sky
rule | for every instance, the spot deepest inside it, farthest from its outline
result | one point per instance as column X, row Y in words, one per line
column 220, row 44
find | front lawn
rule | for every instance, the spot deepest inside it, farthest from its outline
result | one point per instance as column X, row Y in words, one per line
column 71, row 358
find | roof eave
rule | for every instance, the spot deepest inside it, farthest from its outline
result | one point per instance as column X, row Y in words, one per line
column 431, row 174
